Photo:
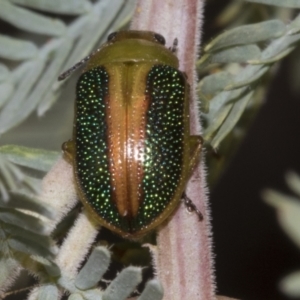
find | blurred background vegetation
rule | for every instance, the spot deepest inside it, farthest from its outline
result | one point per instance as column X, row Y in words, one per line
column 254, row 148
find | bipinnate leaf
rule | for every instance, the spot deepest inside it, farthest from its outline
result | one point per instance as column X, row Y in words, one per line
column 49, row 266
column 37, row 159
column 30, row 21
column 28, row 222
column 233, row 117
column 8, row 269
column 153, row 291
column 288, row 212
column 94, row 269
column 70, row 7
column 16, row 49
column 45, row 292
column 280, row 3
column 247, row 34
column 214, row 83
column 124, row 284
column 235, row 54
column 4, row 72
column 30, row 202
column 293, row 181
column 29, row 247
column 290, row 285
column 75, row 297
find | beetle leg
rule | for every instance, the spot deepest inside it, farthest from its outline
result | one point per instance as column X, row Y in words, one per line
column 68, row 150
column 191, row 207
column 196, row 142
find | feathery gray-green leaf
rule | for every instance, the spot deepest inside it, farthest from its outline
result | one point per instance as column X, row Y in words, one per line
column 70, row 7
column 15, row 231
column 94, row 269
column 290, row 285
column 247, row 34
column 38, row 88
column 6, row 90
column 50, row 267
column 152, row 291
column 28, row 201
column 25, row 19
column 4, row 72
column 294, row 26
column 48, row 292
column 124, row 284
column 281, row 3
column 214, row 83
column 231, row 120
column 75, row 297
column 8, row 269
column 37, row 159
column 28, row 222
column 24, row 245
column 293, row 181
column 16, row 49
column 235, row 54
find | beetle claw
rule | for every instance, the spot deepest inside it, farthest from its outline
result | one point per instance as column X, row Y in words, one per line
column 191, row 207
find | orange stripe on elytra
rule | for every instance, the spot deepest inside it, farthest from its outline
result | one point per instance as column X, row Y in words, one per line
column 126, row 116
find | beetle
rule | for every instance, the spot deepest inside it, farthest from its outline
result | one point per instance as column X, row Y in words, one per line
column 132, row 152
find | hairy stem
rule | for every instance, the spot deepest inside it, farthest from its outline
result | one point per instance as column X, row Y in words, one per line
column 183, row 258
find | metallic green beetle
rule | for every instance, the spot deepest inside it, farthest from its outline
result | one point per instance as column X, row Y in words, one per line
column 131, row 150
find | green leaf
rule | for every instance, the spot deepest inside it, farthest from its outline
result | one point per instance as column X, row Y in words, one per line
column 281, row 3
column 37, row 159
column 48, row 292
column 103, row 13
column 18, row 232
column 11, row 114
column 8, row 269
column 6, row 90
column 293, row 181
column 16, row 49
column 215, row 83
column 294, row 26
column 231, row 120
column 290, row 285
column 288, row 209
column 94, row 269
column 43, row 90
column 28, row 201
column 30, row 21
column 153, row 291
column 50, row 267
column 4, row 72
column 248, row 34
column 236, row 54
column 249, row 75
column 70, row 7
column 94, row 294
column 28, row 222
column 26, row 246
column 124, row 284
column 75, row 297
column 278, row 46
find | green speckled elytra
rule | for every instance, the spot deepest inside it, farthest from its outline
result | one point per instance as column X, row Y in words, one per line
column 131, row 150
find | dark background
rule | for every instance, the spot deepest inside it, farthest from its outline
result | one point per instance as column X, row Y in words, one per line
column 252, row 251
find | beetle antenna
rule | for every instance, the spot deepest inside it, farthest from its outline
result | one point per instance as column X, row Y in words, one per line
column 67, row 73
column 191, row 207
column 175, row 44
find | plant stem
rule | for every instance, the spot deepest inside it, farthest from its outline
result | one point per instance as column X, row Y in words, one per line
column 183, row 258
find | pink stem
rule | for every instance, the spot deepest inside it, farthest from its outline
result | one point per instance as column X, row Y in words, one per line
column 183, row 259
